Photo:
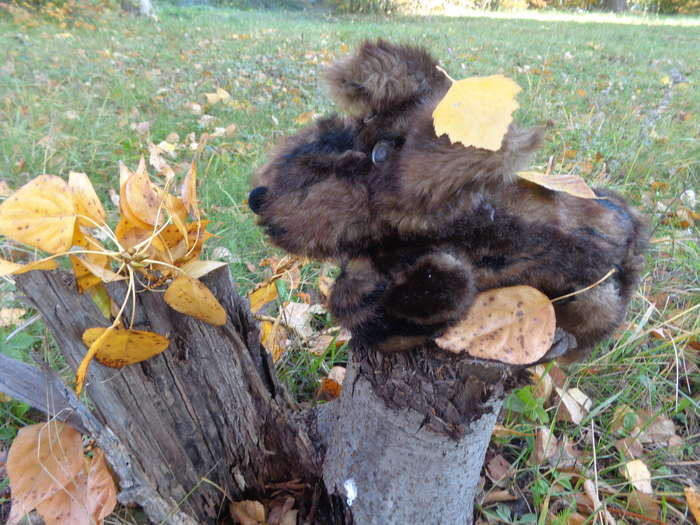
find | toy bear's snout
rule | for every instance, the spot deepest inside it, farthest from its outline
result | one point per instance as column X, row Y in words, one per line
column 256, row 198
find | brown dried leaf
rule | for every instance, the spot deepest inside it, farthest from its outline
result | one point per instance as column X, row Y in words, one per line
column 546, row 445
column 571, row 184
column 513, row 325
column 643, row 503
column 274, row 338
column 499, row 470
column 41, row 214
column 42, row 460
column 574, row 405
column 192, row 297
column 11, row 316
column 629, row 447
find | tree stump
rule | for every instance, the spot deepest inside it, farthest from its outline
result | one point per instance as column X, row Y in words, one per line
column 207, row 421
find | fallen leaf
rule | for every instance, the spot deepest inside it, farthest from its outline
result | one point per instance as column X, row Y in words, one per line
column 477, row 111
column 513, row 325
column 41, row 214
column 330, row 389
column 189, row 192
column 248, row 512
column 546, row 445
column 297, row 316
column 571, row 184
column 192, row 297
column 629, row 447
column 11, row 316
column 261, row 296
column 43, row 459
column 498, row 496
column 574, row 405
column 499, row 470
column 273, row 336
column 643, row 504
column 693, row 498
column 141, row 200
column 637, row 473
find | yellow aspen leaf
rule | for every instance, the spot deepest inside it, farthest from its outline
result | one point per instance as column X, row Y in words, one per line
column 81, row 373
column 514, row 325
column 42, row 460
column 41, row 214
column 84, row 276
column 177, row 212
column 86, row 201
column 142, row 199
column 190, row 248
column 102, row 300
column 477, row 111
column 197, row 268
column 123, row 347
column 129, row 233
column 191, row 297
column 274, row 338
column 693, row 498
column 571, row 184
column 262, row 296
column 189, row 192
column 637, row 473
column 304, row 118
column 222, row 94
column 11, row 268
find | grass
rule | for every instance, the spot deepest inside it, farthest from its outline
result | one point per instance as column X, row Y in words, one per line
column 622, row 108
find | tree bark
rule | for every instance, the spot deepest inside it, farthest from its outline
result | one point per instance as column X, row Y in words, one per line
column 207, row 420
column 616, row 6
column 208, row 409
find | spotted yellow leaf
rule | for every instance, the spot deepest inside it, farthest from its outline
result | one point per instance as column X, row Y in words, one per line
column 513, row 325
column 86, row 201
column 11, row 268
column 477, row 111
column 191, row 297
column 124, row 347
column 571, row 184
column 41, row 214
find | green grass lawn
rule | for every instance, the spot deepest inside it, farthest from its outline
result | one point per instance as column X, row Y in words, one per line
column 619, row 98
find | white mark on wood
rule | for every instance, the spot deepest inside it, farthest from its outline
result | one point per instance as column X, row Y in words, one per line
column 350, row 491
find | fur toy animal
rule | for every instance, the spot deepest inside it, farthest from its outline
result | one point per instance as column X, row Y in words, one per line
column 420, row 225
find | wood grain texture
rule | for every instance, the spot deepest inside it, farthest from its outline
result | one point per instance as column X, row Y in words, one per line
column 207, row 409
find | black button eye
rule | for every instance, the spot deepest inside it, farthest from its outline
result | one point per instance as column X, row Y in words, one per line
column 381, row 151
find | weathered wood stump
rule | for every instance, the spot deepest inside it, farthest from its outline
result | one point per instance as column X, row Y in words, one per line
column 207, row 421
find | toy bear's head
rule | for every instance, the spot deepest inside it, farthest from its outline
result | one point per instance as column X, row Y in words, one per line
column 346, row 182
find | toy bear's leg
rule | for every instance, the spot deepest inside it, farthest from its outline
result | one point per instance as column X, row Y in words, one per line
column 408, row 308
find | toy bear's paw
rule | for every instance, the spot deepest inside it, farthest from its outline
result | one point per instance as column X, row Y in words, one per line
column 355, row 295
column 437, row 289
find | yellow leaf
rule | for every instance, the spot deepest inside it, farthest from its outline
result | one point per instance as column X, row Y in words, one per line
column 42, row 460
column 665, row 80
column 693, row 499
column 637, row 473
column 262, row 295
column 197, row 268
column 11, row 268
column 140, row 200
column 304, row 118
column 189, row 192
column 191, row 297
column 571, row 184
column 513, row 325
column 123, row 347
column 477, row 111
column 222, row 94
column 40, row 214
column 274, row 338
column 86, row 201
column 84, row 276
column 11, row 316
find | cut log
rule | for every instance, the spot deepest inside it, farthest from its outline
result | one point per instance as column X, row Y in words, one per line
column 207, row 421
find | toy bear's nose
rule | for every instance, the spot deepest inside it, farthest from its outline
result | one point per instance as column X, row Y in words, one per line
column 256, row 198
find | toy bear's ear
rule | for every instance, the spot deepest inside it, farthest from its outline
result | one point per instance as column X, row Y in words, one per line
column 381, row 76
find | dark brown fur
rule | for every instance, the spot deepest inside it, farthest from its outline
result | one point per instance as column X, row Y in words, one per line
column 428, row 224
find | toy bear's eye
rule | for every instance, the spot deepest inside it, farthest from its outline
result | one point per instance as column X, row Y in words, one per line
column 381, row 151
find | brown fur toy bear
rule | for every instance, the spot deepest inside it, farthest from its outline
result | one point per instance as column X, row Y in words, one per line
column 419, row 225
